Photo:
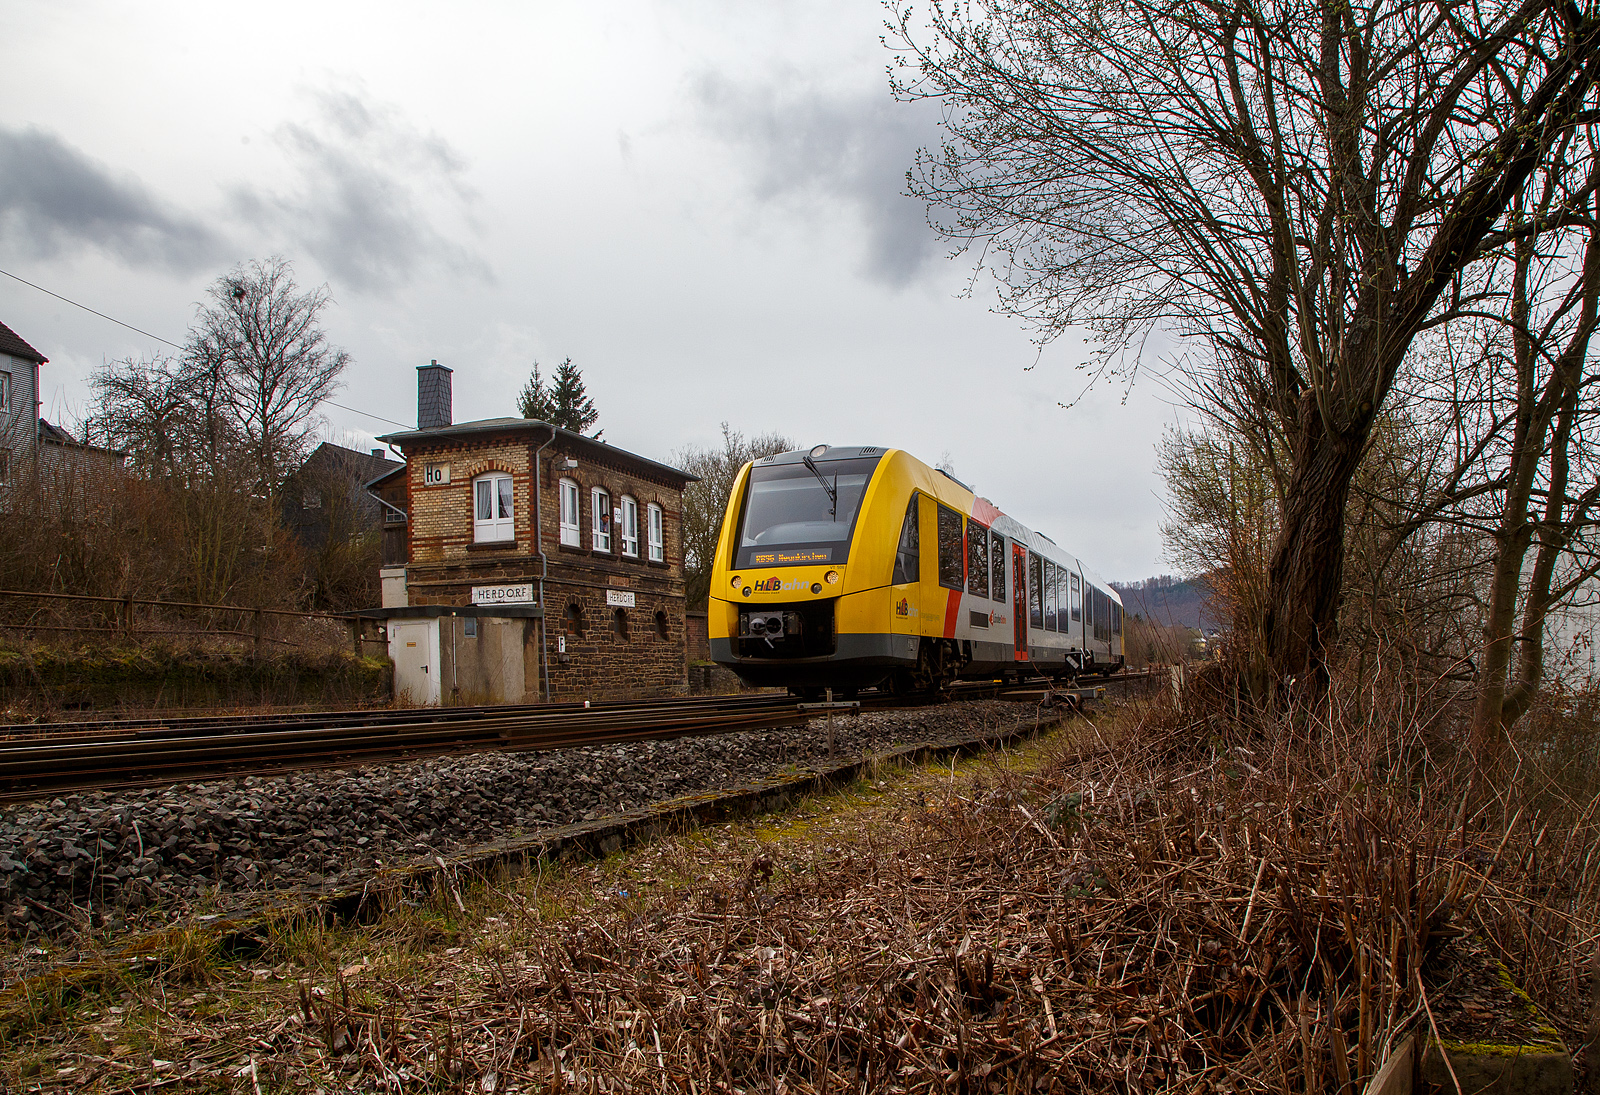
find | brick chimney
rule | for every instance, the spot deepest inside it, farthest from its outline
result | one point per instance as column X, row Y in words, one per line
column 433, row 396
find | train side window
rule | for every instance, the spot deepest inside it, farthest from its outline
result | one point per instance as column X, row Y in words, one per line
column 952, row 550
column 1036, row 591
column 907, row 555
column 1049, row 595
column 1116, row 618
column 1059, row 588
column 997, row 569
column 1077, row 602
column 977, row 560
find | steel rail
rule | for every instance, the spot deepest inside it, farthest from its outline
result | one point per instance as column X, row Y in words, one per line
column 232, row 724
column 35, row 769
column 155, row 752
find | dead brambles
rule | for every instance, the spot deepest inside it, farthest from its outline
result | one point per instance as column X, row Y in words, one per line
column 1112, row 918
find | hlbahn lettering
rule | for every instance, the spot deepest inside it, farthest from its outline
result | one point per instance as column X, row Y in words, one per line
column 776, row 584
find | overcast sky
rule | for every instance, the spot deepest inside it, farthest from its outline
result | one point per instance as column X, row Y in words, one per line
column 700, row 203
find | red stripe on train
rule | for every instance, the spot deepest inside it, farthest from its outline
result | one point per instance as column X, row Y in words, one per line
column 952, row 606
column 983, row 511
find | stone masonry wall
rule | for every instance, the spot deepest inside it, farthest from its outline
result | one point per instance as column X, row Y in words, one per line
column 640, row 654
column 441, row 516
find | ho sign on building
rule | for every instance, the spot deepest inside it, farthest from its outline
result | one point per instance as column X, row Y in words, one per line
column 503, row 595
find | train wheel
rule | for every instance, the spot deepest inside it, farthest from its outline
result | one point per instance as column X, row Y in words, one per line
column 934, row 669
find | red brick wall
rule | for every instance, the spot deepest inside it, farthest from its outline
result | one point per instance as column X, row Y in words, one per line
column 599, row 662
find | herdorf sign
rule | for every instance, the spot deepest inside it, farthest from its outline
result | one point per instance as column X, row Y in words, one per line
column 503, row 595
column 619, row 598
column 435, row 475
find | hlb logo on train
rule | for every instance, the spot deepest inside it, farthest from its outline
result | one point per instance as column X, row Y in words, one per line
column 903, row 608
column 776, row 584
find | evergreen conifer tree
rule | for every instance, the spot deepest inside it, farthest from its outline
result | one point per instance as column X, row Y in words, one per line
column 535, row 402
column 562, row 403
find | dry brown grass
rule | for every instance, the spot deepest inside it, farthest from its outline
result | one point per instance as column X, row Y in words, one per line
column 1148, row 904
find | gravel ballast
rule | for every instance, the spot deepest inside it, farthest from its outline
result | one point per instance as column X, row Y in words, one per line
column 103, row 858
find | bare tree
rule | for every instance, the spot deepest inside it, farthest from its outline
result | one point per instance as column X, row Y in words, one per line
column 1304, row 188
column 1221, row 521
column 706, row 502
column 146, row 408
column 215, row 431
column 262, row 365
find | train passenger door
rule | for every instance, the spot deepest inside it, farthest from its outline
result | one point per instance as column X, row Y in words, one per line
column 905, row 585
column 1019, row 599
column 1079, row 639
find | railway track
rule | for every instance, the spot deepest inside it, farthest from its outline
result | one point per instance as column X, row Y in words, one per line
column 41, row 761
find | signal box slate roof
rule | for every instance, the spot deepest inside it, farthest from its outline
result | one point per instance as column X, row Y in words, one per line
column 570, row 441
column 13, row 344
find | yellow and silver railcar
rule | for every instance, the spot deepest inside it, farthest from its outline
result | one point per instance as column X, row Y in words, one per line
column 859, row 566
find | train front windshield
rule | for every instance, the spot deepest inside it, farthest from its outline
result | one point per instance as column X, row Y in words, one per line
column 794, row 517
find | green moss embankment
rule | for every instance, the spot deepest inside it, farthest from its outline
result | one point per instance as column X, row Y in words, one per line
column 47, row 681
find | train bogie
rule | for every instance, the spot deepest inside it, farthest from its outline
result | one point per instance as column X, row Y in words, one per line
column 852, row 567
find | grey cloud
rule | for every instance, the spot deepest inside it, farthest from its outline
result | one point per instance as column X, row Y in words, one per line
column 829, row 148
column 358, row 202
column 54, row 199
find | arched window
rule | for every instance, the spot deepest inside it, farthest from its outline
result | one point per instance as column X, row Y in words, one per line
column 628, row 525
column 493, row 518
column 662, row 629
column 619, row 623
column 600, row 516
column 575, row 620
column 569, row 514
column 658, row 541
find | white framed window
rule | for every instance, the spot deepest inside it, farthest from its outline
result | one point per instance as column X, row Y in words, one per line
column 600, row 519
column 493, row 514
column 658, row 541
column 628, row 525
column 569, row 514
column 5, row 391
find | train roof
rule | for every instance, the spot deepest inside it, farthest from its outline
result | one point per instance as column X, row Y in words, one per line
column 830, row 452
column 995, row 517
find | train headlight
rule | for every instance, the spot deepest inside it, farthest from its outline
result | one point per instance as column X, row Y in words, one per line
column 736, row 582
column 832, row 577
column 816, row 587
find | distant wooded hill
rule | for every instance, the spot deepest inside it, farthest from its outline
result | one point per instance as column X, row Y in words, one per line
column 1169, row 600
